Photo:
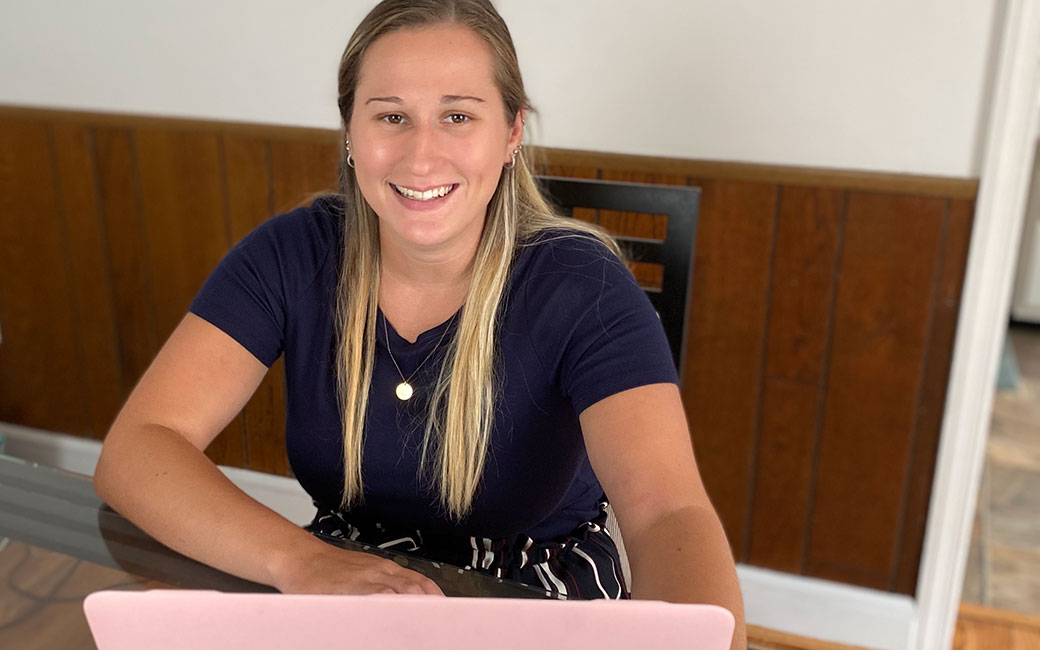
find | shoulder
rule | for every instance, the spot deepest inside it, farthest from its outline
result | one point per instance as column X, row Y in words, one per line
column 292, row 251
column 589, row 322
column 278, row 261
column 563, row 278
column 566, row 242
column 572, row 259
column 253, row 292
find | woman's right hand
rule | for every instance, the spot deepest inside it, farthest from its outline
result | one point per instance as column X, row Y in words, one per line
column 330, row 570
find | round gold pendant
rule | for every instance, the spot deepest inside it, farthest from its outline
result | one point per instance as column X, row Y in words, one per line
column 404, row 391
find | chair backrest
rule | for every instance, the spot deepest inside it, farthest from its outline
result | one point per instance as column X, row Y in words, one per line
column 674, row 253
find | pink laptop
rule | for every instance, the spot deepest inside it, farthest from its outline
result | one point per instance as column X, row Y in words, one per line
column 196, row 620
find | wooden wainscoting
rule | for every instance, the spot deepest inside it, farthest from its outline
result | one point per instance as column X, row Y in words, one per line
column 824, row 309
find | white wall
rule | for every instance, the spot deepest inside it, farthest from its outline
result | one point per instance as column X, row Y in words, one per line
column 887, row 85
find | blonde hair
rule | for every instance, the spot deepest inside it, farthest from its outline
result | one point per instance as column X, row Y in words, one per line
column 460, row 419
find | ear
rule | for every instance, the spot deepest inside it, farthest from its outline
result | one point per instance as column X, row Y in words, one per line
column 516, row 135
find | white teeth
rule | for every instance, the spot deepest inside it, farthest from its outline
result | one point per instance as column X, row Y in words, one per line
column 423, row 196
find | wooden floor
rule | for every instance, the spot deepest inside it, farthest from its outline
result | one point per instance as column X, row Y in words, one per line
column 982, row 628
column 760, row 638
column 978, row 628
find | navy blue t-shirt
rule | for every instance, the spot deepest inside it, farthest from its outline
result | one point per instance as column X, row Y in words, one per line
column 575, row 328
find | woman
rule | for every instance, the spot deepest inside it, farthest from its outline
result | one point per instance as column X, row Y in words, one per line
column 467, row 374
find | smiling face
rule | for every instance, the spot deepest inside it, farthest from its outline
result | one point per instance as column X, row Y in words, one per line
column 429, row 136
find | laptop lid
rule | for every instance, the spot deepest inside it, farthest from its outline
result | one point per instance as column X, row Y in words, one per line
column 182, row 619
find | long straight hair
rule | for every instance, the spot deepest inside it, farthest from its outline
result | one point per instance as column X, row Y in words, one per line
column 460, row 417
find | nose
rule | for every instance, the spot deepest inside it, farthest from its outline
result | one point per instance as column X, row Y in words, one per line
column 423, row 150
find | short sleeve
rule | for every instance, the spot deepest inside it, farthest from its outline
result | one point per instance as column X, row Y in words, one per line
column 616, row 342
column 249, row 295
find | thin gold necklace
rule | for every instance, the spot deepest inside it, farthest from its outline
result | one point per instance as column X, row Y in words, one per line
column 404, row 390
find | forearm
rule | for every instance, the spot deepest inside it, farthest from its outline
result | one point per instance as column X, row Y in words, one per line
column 168, row 488
column 684, row 557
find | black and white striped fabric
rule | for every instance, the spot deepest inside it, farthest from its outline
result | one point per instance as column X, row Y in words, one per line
column 583, row 565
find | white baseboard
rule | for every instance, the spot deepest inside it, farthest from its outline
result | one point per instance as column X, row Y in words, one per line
column 828, row 611
column 70, row 453
column 809, row 607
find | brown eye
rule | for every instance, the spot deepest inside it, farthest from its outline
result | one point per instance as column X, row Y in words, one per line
column 458, row 118
column 393, row 118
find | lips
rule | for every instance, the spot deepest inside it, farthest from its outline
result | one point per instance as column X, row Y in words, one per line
column 428, row 194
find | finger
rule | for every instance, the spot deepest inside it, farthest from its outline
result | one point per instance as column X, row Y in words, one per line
column 431, row 588
column 406, row 581
column 413, row 588
column 362, row 589
column 426, row 587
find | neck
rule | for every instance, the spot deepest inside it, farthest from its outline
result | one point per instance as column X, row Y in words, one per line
column 439, row 269
column 419, row 289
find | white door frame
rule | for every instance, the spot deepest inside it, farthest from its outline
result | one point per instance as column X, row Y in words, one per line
column 981, row 326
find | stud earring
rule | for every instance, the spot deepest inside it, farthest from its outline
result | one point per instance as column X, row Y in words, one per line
column 350, row 160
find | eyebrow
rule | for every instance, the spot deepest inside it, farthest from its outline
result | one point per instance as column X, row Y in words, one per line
column 449, row 99
column 446, row 99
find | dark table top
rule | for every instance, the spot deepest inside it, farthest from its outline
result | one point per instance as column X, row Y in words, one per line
column 59, row 542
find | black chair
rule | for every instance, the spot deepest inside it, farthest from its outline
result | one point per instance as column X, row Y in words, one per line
column 674, row 253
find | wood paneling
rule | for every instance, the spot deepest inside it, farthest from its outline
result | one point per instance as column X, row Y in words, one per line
column 93, row 306
column 783, row 474
column 265, row 424
column 187, row 234
column 911, row 184
column 129, row 269
column 887, row 283
column 725, row 339
column 634, row 224
column 933, row 394
column 819, row 345
column 40, row 355
column 250, row 202
column 247, row 177
column 300, row 170
column 807, row 247
column 567, row 171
